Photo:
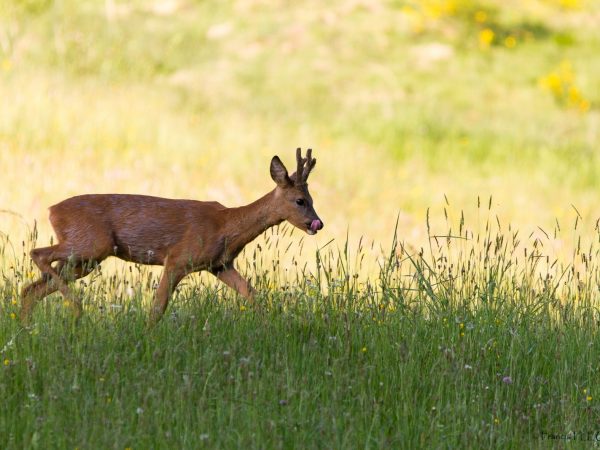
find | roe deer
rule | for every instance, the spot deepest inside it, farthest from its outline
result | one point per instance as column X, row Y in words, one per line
column 184, row 236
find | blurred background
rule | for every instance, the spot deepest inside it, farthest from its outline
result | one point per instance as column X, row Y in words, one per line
column 408, row 105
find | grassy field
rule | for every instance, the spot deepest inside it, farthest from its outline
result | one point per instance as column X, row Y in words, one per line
column 462, row 346
column 451, row 300
column 191, row 99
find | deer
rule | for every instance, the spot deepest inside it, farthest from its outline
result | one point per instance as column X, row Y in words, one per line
column 183, row 236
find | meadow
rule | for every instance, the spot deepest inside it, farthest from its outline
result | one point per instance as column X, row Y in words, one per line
column 451, row 301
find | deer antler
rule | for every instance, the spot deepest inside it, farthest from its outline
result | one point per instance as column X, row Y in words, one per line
column 299, row 167
column 304, row 166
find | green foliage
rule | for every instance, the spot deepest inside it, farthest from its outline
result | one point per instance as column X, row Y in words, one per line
column 212, row 376
column 481, row 340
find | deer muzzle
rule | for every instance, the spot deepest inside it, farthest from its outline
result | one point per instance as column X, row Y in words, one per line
column 315, row 226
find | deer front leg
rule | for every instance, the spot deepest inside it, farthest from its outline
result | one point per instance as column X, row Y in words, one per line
column 233, row 279
column 169, row 281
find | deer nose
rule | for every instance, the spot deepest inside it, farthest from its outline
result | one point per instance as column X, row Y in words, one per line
column 316, row 225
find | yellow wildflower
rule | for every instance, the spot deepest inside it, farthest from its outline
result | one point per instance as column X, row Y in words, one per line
column 480, row 16
column 553, row 83
column 510, row 41
column 433, row 11
column 6, row 362
column 486, row 37
column 570, row 4
column 13, row 316
column 561, row 84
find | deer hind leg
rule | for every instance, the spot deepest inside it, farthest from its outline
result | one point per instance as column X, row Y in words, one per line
column 44, row 257
column 32, row 293
column 53, row 279
column 171, row 277
column 44, row 286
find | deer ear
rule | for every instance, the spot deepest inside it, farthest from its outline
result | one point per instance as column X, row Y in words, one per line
column 279, row 172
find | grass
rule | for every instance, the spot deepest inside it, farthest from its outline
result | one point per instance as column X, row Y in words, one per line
column 300, row 377
column 475, row 328
column 192, row 100
column 481, row 340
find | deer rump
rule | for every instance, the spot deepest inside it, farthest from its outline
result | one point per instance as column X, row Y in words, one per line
column 136, row 228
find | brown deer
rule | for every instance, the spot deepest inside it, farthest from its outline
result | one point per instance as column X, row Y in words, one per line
column 184, row 236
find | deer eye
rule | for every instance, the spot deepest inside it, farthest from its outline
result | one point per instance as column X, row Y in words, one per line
column 300, row 202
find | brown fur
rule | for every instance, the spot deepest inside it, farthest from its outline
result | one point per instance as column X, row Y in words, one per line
column 184, row 236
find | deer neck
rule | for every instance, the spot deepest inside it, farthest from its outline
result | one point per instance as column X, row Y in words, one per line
column 246, row 223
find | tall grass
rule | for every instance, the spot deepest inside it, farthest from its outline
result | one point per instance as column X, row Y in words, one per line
column 479, row 340
column 191, row 99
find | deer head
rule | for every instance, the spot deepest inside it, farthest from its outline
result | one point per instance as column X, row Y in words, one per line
column 295, row 202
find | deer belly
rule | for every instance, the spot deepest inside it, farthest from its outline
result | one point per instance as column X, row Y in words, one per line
column 143, row 247
column 141, row 255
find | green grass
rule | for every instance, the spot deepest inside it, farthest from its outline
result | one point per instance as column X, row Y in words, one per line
column 194, row 99
column 479, row 341
column 303, row 377
column 408, row 108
